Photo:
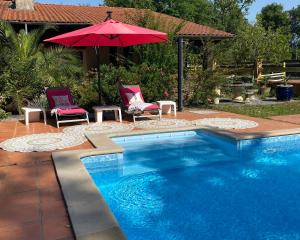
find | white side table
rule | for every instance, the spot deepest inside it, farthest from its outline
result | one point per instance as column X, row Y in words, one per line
column 166, row 106
column 33, row 114
column 100, row 109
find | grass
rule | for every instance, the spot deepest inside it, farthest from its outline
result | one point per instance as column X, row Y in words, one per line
column 263, row 111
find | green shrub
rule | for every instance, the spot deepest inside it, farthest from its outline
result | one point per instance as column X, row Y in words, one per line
column 26, row 66
column 87, row 94
column 39, row 102
column 154, row 82
column 3, row 114
column 201, row 86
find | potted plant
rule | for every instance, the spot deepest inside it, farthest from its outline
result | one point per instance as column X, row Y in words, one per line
column 264, row 89
column 285, row 91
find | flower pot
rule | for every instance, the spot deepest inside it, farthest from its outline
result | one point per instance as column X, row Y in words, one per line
column 284, row 92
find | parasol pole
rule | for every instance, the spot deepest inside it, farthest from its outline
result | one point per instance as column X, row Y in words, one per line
column 97, row 50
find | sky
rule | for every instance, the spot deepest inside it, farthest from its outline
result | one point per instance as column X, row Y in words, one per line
column 254, row 9
column 259, row 4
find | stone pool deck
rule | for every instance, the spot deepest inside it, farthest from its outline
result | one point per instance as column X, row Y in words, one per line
column 32, row 205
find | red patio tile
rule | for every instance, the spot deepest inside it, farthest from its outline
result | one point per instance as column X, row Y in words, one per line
column 55, row 208
column 56, row 228
column 20, row 183
column 47, row 177
column 24, row 159
column 21, row 170
column 50, row 195
column 288, row 118
column 12, row 215
column 20, row 199
column 30, row 231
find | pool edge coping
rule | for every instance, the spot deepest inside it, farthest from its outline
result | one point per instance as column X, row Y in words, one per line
column 97, row 221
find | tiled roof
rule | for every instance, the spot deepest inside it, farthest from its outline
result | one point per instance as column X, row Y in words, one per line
column 71, row 14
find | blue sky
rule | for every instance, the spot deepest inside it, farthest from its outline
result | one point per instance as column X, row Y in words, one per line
column 259, row 4
column 255, row 8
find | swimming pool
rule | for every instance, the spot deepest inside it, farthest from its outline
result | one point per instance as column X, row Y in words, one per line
column 197, row 185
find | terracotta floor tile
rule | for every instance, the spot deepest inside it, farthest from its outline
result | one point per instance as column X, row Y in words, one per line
column 50, row 195
column 5, row 161
column 20, row 199
column 3, row 170
column 22, row 183
column 52, row 209
column 57, row 228
column 50, row 184
column 5, row 136
column 21, row 170
column 27, row 159
column 24, row 128
column 40, row 131
column 12, row 215
column 2, row 188
column 47, row 176
column 30, row 231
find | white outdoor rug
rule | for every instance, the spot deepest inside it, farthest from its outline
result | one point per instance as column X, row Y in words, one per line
column 163, row 123
column 41, row 142
column 226, row 123
column 204, row 111
column 98, row 128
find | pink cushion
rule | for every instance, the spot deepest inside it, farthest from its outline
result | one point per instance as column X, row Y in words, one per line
column 131, row 89
column 71, row 111
column 50, row 92
column 152, row 107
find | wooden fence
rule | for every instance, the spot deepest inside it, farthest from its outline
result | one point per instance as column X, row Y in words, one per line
column 292, row 69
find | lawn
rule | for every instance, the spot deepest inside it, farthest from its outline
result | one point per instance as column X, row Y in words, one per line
column 263, row 111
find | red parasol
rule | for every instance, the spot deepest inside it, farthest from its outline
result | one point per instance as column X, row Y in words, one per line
column 109, row 33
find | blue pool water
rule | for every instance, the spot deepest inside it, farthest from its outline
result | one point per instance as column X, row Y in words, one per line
column 194, row 185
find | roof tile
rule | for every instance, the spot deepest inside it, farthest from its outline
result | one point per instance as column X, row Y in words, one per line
column 71, row 14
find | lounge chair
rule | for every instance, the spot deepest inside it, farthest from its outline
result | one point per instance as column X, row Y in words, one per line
column 133, row 102
column 61, row 104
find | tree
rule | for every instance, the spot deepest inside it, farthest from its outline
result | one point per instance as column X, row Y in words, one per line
column 230, row 14
column 295, row 29
column 19, row 75
column 224, row 14
column 28, row 67
column 146, row 4
column 256, row 44
column 274, row 17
